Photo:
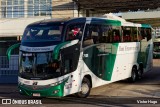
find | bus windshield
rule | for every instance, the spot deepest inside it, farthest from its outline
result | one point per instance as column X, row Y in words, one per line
column 43, row 32
column 38, row 66
column 156, row 47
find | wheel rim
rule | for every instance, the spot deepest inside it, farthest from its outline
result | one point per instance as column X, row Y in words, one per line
column 133, row 75
column 140, row 73
column 85, row 88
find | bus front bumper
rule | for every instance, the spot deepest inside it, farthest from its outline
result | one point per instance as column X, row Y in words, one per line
column 45, row 91
column 156, row 54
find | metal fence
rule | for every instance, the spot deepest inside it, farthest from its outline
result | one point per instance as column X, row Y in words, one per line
column 9, row 69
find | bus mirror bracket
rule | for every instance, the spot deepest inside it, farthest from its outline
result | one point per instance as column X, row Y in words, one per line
column 56, row 50
column 9, row 50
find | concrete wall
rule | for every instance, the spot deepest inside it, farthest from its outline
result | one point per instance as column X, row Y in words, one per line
column 15, row 27
column 127, row 15
column 0, row 9
column 141, row 15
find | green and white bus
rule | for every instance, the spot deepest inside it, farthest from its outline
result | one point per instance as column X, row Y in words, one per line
column 59, row 57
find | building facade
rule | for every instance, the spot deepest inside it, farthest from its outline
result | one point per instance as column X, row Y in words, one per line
column 25, row 8
column 24, row 12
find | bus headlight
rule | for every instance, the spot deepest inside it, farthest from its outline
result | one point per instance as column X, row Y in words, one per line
column 56, row 83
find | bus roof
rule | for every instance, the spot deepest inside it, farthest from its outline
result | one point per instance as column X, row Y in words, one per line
column 48, row 21
column 114, row 21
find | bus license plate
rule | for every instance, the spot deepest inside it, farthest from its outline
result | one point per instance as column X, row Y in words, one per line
column 36, row 94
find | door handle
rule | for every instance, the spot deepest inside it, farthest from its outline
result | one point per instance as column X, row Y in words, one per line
column 102, row 54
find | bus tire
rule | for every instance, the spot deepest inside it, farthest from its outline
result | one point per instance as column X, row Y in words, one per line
column 133, row 75
column 140, row 73
column 85, row 88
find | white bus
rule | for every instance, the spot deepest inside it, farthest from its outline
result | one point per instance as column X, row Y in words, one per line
column 60, row 57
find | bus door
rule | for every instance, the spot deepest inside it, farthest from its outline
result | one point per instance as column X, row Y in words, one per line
column 104, row 52
column 70, row 57
column 93, row 57
column 95, row 54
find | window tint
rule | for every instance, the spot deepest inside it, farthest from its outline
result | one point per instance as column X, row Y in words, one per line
column 126, row 34
column 134, row 34
column 101, row 34
column 146, row 34
column 116, row 34
column 43, row 33
column 92, row 34
column 74, row 31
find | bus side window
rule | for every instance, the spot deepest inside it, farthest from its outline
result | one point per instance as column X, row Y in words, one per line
column 139, row 34
column 116, row 36
column 74, row 31
column 134, row 36
column 106, row 34
column 87, row 37
column 88, row 42
column 69, row 35
column 126, row 34
column 95, row 37
column 144, row 35
column 91, row 35
column 148, row 34
column 110, row 36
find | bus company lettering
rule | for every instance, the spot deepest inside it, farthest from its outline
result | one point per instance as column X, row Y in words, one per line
column 38, row 49
column 26, row 101
column 128, row 48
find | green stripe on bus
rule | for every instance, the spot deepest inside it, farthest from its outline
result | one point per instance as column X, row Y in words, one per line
column 57, row 49
column 113, row 22
column 146, row 25
column 100, row 62
column 107, row 22
column 9, row 50
column 111, row 61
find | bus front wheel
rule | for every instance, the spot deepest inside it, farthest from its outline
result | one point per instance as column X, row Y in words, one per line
column 85, row 88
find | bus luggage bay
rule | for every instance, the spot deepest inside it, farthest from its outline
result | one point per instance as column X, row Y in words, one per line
column 59, row 57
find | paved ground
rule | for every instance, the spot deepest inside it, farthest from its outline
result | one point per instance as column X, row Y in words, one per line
column 122, row 93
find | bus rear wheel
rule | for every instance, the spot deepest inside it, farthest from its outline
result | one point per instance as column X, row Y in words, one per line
column 85, row 88
column 140, row 73
column 133, row 75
